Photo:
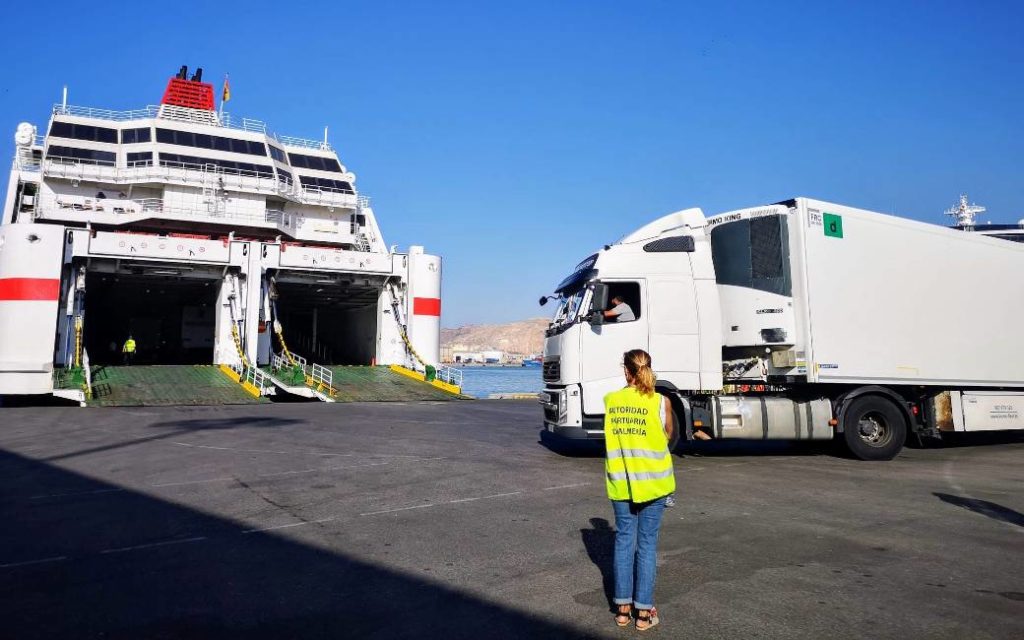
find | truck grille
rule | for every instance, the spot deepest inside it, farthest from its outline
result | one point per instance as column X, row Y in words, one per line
column 552, row 370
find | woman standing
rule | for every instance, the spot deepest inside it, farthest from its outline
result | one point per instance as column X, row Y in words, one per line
column 638, row 468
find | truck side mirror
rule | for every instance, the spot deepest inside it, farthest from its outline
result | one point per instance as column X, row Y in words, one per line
column 598, row 302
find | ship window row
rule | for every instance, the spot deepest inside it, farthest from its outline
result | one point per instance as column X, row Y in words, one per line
column 310, row 182
column 244, row 168
column 206, row 141
column 314, row 162
column 87, row 155
column 277, row 154
column 131, row 136
column 140, row 157
column 284, row 174
column 83, row 132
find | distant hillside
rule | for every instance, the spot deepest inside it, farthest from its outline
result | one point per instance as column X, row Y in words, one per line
column 522, row 337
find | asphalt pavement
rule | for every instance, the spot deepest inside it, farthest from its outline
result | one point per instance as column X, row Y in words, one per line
column 451, row 520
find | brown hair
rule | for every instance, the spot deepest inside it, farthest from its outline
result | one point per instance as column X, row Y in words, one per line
column 638, row 370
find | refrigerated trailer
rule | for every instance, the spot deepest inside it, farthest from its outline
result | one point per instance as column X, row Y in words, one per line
column 800, row 320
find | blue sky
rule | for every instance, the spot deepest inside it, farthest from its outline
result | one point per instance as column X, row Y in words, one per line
column 515, row 138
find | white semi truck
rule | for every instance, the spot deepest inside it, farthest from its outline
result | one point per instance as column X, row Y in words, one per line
column 801, row 320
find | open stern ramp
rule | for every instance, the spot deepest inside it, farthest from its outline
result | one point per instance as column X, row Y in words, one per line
column 295, row 375
column 383, row 384
column 166, row 385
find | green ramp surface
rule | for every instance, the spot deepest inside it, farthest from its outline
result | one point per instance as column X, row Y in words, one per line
column 381, row 384
column 165, row 385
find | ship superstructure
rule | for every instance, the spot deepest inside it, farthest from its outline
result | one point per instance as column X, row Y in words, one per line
column 965, row 213
column 207, row 239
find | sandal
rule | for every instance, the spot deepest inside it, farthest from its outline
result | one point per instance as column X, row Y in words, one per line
column 649, row 620
column 622, row 618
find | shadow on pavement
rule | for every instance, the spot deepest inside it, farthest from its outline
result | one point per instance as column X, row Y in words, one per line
column 708, row 449
column 980, row 439
column 182, row 427
column 600, row 545
column 109, row 562
column 985, row 508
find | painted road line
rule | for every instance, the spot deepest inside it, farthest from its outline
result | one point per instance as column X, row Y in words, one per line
column 496, row 495
column 291, row 525
column 566, row 486
column 418, row 506
column 186, row 482
column 11, row 565
column 163, row 543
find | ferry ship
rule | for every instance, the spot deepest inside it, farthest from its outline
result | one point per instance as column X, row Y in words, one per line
column 205, row 239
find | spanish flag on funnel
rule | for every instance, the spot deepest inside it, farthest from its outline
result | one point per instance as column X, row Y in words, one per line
column 226, row 94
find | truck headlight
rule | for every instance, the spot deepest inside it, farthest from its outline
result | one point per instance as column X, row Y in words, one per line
column 563, row 407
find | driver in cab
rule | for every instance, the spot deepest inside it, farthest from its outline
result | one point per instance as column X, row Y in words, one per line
column 620, row 311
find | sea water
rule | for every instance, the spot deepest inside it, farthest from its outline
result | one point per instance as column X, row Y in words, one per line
column 481, row 382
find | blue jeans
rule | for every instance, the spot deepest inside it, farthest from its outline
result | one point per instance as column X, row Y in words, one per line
column 636, row 546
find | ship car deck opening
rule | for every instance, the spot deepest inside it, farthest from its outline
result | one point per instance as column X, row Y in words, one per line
column 172, row 317
column 332, row 320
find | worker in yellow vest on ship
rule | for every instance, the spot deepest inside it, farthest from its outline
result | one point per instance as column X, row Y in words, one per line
column 638, row 467
column 128, row 350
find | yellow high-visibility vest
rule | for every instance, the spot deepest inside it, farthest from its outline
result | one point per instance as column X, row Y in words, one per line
column 129, row 346
column 638, row 464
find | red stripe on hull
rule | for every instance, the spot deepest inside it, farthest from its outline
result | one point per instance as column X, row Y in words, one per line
column 29, row 289
column 426, row 306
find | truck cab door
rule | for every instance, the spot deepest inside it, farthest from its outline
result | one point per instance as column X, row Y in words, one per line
column 602, row 345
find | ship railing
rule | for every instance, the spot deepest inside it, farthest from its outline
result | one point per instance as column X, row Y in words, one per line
column 66, row 160
column 26, row 162
column 305, row 143
column 327, row 196
column 320, row 377
column 256, row 378
column 136, row 206
column 105, row 114
column 450, row 375
column 185, row 114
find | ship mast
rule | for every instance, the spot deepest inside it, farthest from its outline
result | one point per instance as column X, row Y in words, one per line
column 965, row 213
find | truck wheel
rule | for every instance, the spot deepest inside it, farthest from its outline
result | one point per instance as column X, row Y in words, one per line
column 874, row 428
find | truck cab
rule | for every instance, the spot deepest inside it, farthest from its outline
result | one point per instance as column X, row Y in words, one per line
column 668, row 261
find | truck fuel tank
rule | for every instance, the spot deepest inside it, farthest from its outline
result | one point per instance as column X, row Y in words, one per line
column 771, row 418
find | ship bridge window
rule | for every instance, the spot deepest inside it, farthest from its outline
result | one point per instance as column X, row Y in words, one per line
column 131, row 136
column 753, row 253
column 83, row 132
column 281, row 173
column 193, row 162
column 314, row 162
column 277, row 154
column 206, row 141
column 326, row 184
column 90, row 156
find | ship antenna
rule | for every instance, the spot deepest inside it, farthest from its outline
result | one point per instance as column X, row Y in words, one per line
column 965, row 213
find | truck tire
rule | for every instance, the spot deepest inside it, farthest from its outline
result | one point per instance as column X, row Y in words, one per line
column 677, row 428
column 874, row 428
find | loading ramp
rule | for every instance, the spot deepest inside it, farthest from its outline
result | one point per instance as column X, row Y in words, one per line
column 382, row 384
column 166, row 385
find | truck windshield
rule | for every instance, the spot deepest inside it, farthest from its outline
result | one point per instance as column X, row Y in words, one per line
column 569, row 308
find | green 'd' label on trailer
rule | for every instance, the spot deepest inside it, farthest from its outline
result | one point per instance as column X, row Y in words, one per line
column 833, row 225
